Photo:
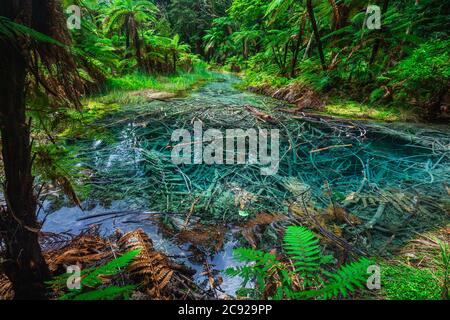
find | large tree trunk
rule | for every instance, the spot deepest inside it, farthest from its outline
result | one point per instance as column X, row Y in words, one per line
column 310, row 9
column 24, row 264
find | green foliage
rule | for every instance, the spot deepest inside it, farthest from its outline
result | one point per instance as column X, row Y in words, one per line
column 191, row 19
column 125, row 14
column 346, row 279
column 404, row 63
column 303, row 247
column 343, row 108
column 10, row 29
column 302, row 276
column 91, row 279
column 427, row 82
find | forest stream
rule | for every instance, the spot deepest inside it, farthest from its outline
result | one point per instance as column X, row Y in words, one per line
column 372, row 186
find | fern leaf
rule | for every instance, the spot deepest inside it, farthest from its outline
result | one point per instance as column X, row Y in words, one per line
column 111, row 268
column 345, row 280
column 259, row 257
column 302, row 245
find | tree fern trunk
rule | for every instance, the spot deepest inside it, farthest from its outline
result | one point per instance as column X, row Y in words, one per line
column 136, row 42
column 25, row 265
column 174, row 59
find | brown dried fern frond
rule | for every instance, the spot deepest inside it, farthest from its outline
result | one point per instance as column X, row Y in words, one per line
column 151, row 267
column 86, row 249
column 6, row 290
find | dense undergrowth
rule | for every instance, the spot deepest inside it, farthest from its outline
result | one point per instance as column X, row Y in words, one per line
column 394, row 73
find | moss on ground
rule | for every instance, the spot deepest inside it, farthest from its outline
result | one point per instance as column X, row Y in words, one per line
column 403, row 282
column 355, row 110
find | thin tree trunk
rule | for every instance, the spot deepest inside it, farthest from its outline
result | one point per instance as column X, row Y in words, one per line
column 316, row 32
column 277, row 60
column 336, row 22
column 408, row 31
column 245, row 48
column 377, row 44
column 25, row 266
column 308, row 47
column 296, row 51
column 174, row 59
column 285, row 55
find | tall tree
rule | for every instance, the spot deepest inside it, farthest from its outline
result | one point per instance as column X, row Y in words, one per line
column 27, row 63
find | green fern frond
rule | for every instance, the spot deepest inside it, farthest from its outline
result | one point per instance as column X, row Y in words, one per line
column 259, row 257
column 111, row 268
column 10, row 29
column 260, row 264
column 303, row 248
column 91, row 279
column 302, row 245
column 347, row 279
